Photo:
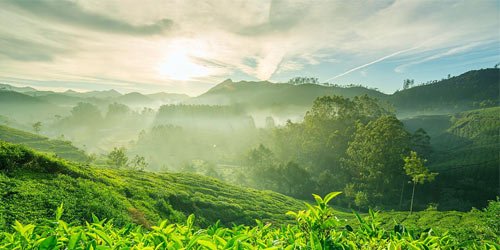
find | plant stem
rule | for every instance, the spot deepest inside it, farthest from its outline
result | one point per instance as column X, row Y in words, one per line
column 412, row 195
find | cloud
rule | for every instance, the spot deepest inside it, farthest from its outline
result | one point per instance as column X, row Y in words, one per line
column 373, row 62
column 129, row 41
column 448, row 52
column 71, row 13
column 23, row 50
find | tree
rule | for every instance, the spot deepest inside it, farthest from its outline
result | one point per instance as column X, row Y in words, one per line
column 117, row 111
column 86, row 114
column 421, row 143
column 139, row 163
column 415, row 169
column 374, row 158
column 117, row 157
column 37, row 127
column 408, row 83
column 270, row 124
column 295, row 180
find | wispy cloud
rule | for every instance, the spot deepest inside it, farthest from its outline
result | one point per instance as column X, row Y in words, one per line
column 448, row 52
column 373, row 62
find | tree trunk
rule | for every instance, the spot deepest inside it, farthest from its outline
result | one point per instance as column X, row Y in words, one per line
column 412, row 195
column 401, row 197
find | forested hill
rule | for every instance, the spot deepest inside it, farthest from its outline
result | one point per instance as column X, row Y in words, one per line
column 32, row 185
column 473, row 89
column 465, row 153
column 267, row 95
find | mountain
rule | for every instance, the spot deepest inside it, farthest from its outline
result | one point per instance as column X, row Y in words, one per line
column 62, row 99
column 473, row 89
column 34, row 184
column 102, row 94
column 168, row 98
column 23, row 107
column 266, row 94
column 63, row 149
column 7, row 87
column 134, row 98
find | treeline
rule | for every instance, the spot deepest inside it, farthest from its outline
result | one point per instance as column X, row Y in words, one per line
column 354, row 145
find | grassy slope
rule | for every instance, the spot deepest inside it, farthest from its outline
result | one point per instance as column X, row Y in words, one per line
column 63, row 149
column 32, row 185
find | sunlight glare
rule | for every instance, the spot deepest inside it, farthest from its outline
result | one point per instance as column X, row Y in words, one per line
column 178, row 65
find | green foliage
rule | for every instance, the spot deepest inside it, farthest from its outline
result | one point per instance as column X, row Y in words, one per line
column 314, row 228
column 32, row 185
column 63, row 149
column 414, row 168
column 374, row 159
column 138, row 163
column 118, row 157
column 37, row 127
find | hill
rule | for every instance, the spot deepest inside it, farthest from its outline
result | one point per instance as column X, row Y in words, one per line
column 24, row 107
column 134, row 98
column 465, row 154
column 63, row 149
column 168, row 98
column 7, row 87
column 34, row 184
column 266, row 94
column 473, row 89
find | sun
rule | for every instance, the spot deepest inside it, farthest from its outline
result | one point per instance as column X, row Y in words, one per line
column 179, row 65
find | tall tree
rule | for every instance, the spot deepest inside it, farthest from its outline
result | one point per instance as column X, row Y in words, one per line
column 118, row 157
column 415, row 169
column 374, row 158
column 37, row 127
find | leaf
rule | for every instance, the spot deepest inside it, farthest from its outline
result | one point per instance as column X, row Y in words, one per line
column 208, row 244
column 49, row 243
column 73, row 240
column 318, row 199
column 59, row 211
column 330, row 196
column 103, row 236
column 190, row 220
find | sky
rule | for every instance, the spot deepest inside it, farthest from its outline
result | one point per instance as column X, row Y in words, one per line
column 184, row 46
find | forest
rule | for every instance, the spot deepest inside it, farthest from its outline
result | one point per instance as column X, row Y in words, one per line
column 237, row 167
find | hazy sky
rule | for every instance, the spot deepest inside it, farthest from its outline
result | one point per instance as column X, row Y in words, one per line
column 188, row 46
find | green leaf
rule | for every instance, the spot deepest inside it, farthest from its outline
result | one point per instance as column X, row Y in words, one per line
column 49, row 243
column 59, row 211
column 208, row 244
column 330, row 196
column 73, row 240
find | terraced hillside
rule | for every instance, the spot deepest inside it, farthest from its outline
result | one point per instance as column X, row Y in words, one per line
column 33, row 184
column 63, row 149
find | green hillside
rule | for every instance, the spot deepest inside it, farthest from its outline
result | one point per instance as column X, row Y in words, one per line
column 32, row 185
column 63, row 149
column 268, row 95
column 24, row 107
column 465, row 154
column 473, row 89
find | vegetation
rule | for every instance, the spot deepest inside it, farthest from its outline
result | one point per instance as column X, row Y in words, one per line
column 314, row 228
column 295, row 138
column 32, row 185
column 60, row 148
column 414, row 168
